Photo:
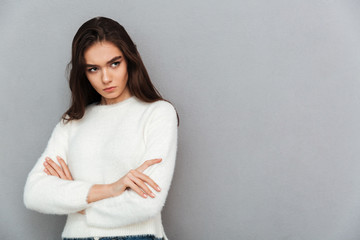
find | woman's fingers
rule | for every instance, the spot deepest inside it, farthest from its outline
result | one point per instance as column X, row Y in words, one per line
column 82, row 212
column 54, row 167
column 137, row 181
column 47, row 171
column 136, row 188
column 140, row 183
column 50, row 170
column 65, row 168
column 147, row 179
column 148, row 163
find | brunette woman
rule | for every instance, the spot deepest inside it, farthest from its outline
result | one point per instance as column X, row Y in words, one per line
column 109, row 162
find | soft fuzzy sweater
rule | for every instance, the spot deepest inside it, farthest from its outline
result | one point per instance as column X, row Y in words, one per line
column 100, row 148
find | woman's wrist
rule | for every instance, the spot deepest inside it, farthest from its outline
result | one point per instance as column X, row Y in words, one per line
column 99, row 192
column 116, row 188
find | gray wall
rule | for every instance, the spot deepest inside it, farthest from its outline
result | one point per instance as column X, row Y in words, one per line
column 268, row 93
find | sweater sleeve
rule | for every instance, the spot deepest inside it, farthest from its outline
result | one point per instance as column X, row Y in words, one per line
column 129, row 207
column 50, row 194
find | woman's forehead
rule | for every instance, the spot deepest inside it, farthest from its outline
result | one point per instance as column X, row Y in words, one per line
column 101, row 53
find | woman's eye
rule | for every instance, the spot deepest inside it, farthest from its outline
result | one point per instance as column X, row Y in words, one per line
column 115, row 64
column 93, row 69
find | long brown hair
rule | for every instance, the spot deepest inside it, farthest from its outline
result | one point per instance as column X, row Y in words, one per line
column 82, row 93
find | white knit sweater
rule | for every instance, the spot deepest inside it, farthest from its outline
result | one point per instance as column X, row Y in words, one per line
column 99, row 149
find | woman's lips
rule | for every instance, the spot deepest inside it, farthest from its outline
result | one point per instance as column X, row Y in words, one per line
column 109, row 89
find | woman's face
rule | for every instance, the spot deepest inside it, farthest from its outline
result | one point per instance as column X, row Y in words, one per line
column 106, row 70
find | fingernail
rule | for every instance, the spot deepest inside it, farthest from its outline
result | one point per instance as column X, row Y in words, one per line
column 158, row 188
column 145, row 196
column 151, row 194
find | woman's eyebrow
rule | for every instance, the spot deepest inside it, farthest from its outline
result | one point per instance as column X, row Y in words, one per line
column 112, row 60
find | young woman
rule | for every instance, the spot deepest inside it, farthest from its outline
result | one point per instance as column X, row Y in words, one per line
column 109, row 162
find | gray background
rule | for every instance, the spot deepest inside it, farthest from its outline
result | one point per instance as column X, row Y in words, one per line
column 268, row 93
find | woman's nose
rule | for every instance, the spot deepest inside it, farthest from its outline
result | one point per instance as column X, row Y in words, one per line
column 106, row 78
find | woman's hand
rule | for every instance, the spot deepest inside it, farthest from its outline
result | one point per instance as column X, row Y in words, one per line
column 62, row 171
column 135, row 179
